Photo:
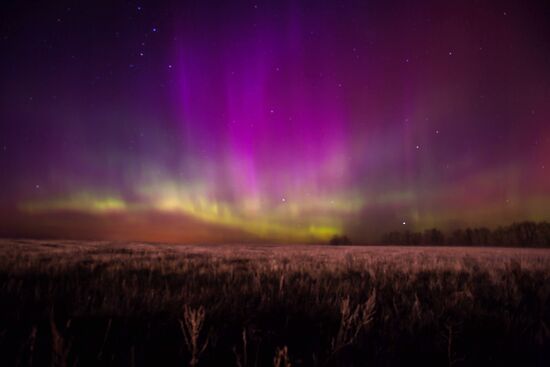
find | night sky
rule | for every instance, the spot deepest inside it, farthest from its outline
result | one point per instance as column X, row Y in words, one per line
column 279, row 121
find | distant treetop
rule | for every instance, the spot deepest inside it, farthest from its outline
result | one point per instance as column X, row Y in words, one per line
column 521, row 234
column 337, row 240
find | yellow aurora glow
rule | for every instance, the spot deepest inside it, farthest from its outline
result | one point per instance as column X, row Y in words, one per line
column 279, row 221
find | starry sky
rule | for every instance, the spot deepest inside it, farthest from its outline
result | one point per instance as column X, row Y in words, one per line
column 271, row 121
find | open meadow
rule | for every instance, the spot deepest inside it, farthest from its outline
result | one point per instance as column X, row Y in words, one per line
column 69, row 303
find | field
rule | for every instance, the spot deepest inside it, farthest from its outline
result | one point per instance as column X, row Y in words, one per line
column 67, row 303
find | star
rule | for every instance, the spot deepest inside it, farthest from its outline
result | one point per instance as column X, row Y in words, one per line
column 404, row 222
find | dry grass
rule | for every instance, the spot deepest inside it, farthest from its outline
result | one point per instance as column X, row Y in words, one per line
column 144, row 304
column 191, row 326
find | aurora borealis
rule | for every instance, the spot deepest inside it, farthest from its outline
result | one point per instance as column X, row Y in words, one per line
column 283, row 121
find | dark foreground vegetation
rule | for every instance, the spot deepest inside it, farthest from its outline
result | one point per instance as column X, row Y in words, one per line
column 86, row 304
column 521, row 234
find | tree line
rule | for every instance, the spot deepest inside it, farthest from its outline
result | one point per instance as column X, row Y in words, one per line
column 520, row 234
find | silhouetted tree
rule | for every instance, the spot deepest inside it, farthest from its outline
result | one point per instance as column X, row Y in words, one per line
column 525, row 233
column 433, row 237
column 412, row 238
column 498, row 236
column 481, row 236
column 340, row 240
column 393, row 238
column 457, row 237
column 468, row 237
column 543, row 234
